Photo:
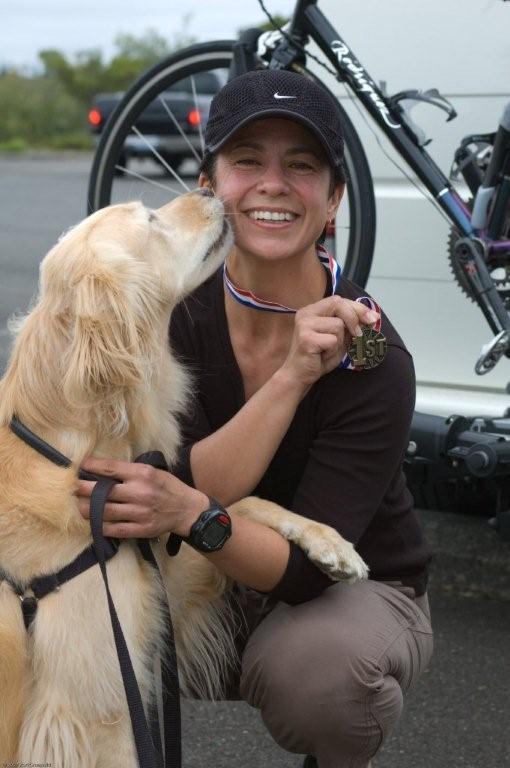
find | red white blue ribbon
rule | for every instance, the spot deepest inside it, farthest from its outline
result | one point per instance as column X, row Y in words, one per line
column 249, row 299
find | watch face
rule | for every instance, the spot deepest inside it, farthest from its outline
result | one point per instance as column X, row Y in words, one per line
column 214, row 533
column 211, row 530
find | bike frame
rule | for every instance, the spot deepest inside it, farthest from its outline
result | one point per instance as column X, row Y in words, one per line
column 309, row 21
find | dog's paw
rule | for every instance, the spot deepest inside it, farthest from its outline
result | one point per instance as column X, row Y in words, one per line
column 332, row 554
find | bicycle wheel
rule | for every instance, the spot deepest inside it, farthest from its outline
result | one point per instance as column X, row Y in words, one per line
column 188, row 72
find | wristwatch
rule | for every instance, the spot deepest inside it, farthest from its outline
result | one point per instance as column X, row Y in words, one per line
column 208, row 534
column 212, row 529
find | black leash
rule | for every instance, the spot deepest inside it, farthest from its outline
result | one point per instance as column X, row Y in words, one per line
column 149, row 756
column 146, row 751
column 168, row 664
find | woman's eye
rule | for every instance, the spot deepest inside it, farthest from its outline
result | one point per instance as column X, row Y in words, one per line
column 302, row 166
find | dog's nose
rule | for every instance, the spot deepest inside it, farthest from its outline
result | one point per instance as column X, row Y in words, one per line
column 206, row 192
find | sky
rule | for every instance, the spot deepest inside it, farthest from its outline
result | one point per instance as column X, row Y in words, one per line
column 408, row 43
column 28, row 26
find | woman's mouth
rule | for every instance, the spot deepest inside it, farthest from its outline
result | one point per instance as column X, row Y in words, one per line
column 271, row 218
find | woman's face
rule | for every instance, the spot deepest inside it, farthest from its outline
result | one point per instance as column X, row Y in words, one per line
column 274, row 179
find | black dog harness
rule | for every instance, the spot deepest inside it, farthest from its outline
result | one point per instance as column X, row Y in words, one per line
column 43, row 585
column 102, row 550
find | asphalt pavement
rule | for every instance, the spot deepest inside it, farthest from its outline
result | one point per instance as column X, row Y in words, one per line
column 458, row 715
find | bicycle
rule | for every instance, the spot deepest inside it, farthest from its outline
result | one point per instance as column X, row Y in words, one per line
column 481, row 240
column 480, row 227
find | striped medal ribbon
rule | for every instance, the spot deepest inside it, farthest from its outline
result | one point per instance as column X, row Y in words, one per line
column 355, row 359
column 248, row 299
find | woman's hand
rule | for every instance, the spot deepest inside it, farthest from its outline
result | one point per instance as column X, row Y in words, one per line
column 147, row 503
column 323, row 332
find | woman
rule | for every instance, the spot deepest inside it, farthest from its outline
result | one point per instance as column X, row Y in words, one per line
column 280, row 414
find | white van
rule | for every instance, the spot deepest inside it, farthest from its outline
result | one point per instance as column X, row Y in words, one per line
column 462, row 48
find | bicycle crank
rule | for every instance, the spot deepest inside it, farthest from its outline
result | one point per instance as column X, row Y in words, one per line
column 492, row 352
column 471, row 257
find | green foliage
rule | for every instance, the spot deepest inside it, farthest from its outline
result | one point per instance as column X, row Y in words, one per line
column 71, row 140
column 89, row 74
column 50, row 109
column 35, row 109
column 151, row 46
column 13, row 145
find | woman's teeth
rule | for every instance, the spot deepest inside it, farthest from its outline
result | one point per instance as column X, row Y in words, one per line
column 272, row 215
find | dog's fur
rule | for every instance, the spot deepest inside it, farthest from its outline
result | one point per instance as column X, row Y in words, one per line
column 91, row 373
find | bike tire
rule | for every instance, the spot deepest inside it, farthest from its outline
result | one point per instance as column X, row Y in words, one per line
column 357, row 253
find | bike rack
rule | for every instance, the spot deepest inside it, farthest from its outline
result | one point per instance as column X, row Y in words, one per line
column 461, row 464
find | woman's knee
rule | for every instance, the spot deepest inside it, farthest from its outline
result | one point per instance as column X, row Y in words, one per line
column 318, row 690
column 291, row 654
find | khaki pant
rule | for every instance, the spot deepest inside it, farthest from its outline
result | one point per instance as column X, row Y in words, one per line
column 329, row 675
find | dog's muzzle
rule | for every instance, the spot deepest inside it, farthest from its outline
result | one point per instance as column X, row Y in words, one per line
column 219, row 241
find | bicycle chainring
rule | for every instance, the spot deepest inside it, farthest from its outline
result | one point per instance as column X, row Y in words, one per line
column 499, row 268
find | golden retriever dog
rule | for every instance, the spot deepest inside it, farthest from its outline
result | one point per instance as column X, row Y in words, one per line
column 91, row 373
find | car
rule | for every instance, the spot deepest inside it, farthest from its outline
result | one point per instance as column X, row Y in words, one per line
column 170, row 126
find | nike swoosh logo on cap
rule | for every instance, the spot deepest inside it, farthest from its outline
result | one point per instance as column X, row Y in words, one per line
column 278, row 96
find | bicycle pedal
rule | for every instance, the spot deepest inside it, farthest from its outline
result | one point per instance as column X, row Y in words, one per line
column 492, row 352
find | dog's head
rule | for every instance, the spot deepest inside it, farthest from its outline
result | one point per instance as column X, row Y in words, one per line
column 130, row 253
column 106, row 293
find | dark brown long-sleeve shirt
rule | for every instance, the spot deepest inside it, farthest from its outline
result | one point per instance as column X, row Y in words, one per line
column 340, row 460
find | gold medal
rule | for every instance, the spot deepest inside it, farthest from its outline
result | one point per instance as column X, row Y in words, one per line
column 369, row 350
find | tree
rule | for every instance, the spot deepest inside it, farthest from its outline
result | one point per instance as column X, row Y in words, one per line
column 86, row 73
column 151, row 46
column 50, row 108
column 35, row 110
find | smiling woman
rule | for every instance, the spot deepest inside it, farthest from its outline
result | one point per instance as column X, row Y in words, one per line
column 280, row 413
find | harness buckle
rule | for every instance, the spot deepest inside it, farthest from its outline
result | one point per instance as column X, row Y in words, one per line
column 29, row 609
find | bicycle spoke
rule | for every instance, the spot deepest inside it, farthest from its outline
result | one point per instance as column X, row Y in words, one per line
column 160, row 158
column 153, row 183
column 176, row 123
column 196, row 107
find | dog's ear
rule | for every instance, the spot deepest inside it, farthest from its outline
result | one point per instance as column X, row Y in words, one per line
column 113, row 310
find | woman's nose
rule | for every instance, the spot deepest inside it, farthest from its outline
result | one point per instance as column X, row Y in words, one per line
column 272, row 180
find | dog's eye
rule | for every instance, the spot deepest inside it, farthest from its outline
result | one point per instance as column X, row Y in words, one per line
column 152, row 216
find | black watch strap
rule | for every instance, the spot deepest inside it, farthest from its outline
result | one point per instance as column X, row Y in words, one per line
column 214, row 510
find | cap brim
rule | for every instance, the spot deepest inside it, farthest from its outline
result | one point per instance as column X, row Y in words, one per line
column 288, row 115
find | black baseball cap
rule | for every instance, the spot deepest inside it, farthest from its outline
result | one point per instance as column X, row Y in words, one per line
column 275, row 93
